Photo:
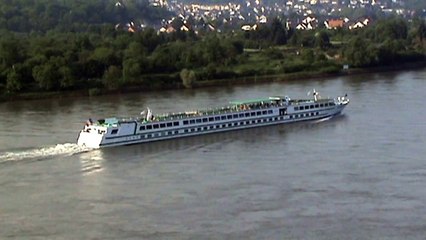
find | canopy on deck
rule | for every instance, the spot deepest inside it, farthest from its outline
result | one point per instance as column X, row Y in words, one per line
column 254, row 101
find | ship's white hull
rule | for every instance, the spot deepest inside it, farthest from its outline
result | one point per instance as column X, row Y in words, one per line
column 94, row 140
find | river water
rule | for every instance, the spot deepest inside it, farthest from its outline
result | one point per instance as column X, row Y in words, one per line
column 357, row 176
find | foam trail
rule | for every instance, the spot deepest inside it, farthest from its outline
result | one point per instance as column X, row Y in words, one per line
column 43, row 152
column 323, row 119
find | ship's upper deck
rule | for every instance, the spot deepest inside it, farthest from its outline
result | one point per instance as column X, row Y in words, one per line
column 234, row 106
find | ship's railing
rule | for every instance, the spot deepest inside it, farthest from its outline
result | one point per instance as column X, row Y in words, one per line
column 213, row 111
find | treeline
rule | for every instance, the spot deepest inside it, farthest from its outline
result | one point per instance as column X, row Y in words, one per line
column 74, row 15
column 106, row 58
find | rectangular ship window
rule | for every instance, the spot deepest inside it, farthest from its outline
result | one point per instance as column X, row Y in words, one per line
column 162, row 125
column 169, row 124
column 114, row 131
column 156, row 126
column 235, row 116
column 211, row 119
column 270, row 111
column 296, row 108
column 216, row 118
column 175, row 123
column 229, row 116
column 141, row 128
column 185, row 122
column 192, row 121
column 241, row 115
column 264, row 112
column 204, row 119
column 198, row 120
column 223, row 117
column 149, row 127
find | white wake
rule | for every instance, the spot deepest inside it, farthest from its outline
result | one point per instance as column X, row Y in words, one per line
column 323, row 119
column 66, row 149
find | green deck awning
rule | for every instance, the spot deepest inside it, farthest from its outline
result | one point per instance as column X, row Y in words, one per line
column 252, row 101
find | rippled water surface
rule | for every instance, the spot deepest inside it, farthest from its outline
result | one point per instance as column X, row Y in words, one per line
column 357, row 176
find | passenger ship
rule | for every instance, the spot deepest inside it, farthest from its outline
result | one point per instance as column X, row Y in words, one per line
column 237, row 115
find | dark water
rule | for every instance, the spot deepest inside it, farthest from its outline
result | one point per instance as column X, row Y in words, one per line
column 359, row 176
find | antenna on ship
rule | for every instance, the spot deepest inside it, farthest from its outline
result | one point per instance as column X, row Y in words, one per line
column 148, row 114
column 315, row 94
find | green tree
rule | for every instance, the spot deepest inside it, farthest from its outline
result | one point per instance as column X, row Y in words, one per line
column 395, row 28
column 46, row 75
column 322, row 40
column 105, row 56
column 112, row 77
column 132, row 70
column 188, row 77
column 356, row 52
column 67, row 79
column 14, row 81
column 278, row 32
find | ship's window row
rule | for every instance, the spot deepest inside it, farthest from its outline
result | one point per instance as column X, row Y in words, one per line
column 227, row 117
column 314, row 106
column 157, row 126
column 154, row 135
column 217, row 126
column 304, row 115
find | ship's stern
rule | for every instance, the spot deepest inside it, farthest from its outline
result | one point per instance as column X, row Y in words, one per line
column 90, row 138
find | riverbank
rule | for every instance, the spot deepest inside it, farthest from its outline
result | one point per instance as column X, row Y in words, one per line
column 298, row 76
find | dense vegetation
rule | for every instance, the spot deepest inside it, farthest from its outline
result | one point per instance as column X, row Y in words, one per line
column 42, row 55
column 73, row 15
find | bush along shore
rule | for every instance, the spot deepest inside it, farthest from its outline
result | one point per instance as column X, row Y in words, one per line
column 175, row 83
column 102, row 59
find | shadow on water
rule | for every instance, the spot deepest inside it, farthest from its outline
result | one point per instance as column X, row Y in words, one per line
column 360, row 81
